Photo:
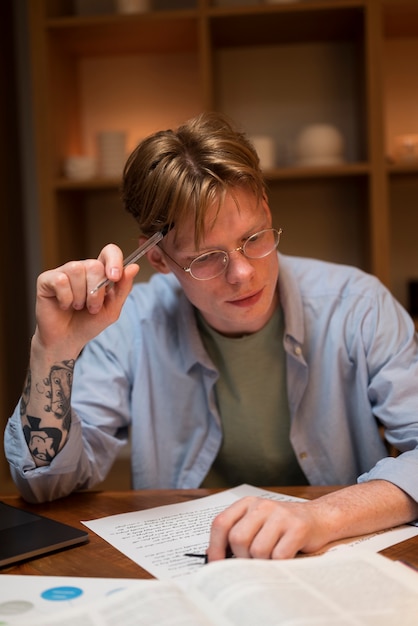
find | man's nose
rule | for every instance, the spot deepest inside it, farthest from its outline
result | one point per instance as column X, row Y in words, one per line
column 239, row 266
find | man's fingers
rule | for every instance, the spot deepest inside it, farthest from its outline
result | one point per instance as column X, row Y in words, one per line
column 260, row 528
column 221, row 526
column 235, row 528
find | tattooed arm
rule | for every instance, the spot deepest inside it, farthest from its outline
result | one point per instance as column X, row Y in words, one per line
column 46, row 434
column 67, row 316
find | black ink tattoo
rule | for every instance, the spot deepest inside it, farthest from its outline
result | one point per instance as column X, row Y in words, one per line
column 60, row 383
column 43, row 443
column 25, row 394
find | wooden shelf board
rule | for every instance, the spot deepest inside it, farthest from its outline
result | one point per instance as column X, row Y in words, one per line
column 320, row 171
column 177, row 30
column 346, row 170
column 110, row 35
column 270, row 24
column 395, row 169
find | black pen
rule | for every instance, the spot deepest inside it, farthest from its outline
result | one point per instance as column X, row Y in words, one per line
column 228, row 555
column 198, row 556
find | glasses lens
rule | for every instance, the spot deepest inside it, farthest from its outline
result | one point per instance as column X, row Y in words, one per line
column 209, row 265
column 261, row 244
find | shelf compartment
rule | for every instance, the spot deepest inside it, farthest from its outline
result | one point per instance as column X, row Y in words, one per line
column 323, row 218
column 293, row 23
column 165, row 32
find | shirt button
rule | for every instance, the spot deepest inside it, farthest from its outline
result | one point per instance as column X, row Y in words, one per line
column 303, row 455
column 298, row 350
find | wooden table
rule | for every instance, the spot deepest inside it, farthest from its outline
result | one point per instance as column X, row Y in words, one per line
column 98, row 558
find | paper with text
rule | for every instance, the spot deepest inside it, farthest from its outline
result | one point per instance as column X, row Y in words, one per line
column 158, row 538
column 351, row 587
column 26, row 599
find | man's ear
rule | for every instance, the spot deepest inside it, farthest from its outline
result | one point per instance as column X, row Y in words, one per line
column 156, row 258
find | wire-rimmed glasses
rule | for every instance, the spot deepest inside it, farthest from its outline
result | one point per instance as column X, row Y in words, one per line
column 214, row 262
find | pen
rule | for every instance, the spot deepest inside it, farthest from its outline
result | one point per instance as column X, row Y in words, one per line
column 228, row 555
column 198, row 556
column 135, row 256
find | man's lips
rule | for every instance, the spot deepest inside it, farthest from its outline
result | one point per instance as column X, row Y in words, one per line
column 249, row 300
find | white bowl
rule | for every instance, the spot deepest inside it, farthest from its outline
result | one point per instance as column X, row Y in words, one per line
column 319, row 144
column 80, row 167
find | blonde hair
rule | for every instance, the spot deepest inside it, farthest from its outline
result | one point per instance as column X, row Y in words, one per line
column 174, row 174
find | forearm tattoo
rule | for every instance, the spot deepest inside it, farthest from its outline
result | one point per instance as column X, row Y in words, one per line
column 25, row 394
column 44, row 442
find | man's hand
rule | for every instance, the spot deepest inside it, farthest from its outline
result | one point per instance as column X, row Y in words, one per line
column 68, row 315
column 259, row 528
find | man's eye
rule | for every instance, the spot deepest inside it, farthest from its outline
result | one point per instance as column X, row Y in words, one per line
column 205, row 258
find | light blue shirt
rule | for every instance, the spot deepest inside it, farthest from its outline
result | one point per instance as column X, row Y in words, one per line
column 352, row 363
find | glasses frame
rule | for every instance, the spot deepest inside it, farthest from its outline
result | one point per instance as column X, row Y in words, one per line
column 227, row 254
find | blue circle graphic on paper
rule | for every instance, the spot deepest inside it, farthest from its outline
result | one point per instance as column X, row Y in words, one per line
column 60, row 594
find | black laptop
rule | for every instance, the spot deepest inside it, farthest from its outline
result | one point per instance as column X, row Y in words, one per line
column 24, row 535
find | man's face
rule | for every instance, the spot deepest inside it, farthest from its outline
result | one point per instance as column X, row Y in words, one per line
column 243, row 298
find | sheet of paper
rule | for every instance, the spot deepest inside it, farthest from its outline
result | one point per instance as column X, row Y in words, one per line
column 375, row 541
column 25, row 599
column 152, row 603
column 342, row 588
column 158, row 538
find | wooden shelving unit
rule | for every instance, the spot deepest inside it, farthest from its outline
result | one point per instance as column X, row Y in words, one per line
column 274, row 68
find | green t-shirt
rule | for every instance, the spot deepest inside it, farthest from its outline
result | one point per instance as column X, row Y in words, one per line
column 252, row 401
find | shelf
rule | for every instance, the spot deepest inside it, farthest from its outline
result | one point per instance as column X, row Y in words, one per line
column 165, row 32
column 334, row 171
column 92, row 184
column 293, row 23
column 275, row 69
column 291, row 173
column 177, row 30
column 397, row 169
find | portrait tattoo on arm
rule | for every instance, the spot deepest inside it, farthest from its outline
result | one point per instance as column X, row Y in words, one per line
column 44, row 441
column 60, row 382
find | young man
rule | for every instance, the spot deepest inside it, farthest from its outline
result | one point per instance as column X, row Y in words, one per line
column 233, row 364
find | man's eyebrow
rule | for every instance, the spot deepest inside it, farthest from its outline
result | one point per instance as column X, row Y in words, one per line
column 178, row 247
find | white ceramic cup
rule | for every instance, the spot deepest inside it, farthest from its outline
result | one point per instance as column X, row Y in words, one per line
column 111, row 152
column 80, row 167
column 265, row 148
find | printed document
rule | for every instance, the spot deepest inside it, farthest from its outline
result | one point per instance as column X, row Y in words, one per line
column 159, row 538
column 345, row 588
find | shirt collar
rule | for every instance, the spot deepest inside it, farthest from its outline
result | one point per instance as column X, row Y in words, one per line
column 291, row 301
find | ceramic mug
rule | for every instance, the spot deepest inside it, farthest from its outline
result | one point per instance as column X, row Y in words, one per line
column 79, row 167
column 265, row 148
column 320, row 144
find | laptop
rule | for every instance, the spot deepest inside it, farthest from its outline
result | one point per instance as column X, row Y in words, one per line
column 24, row 535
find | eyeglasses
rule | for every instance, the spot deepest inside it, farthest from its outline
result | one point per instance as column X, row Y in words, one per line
column 213, row 263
